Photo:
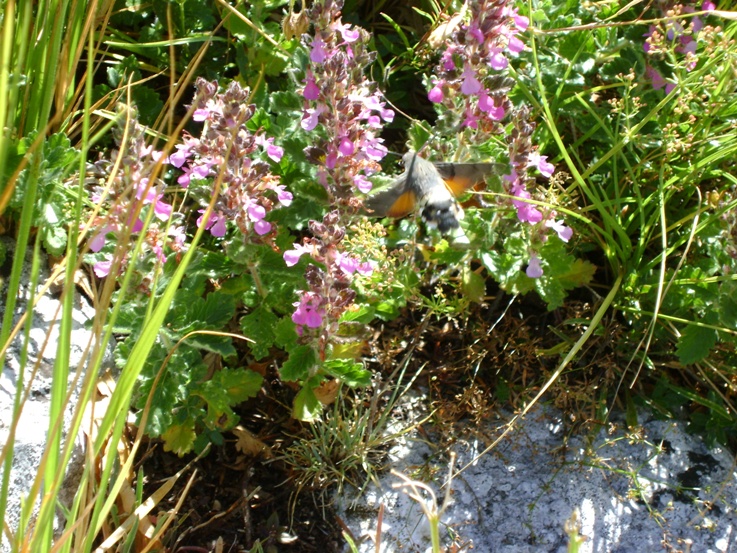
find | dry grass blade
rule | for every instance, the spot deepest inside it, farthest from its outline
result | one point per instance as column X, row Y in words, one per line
column 145, row 508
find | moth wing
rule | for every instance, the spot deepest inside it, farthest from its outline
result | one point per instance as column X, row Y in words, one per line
column 461, row 177
column 396, row 201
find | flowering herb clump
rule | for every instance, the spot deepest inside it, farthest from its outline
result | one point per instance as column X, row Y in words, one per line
column 227, row 153
column 343, row 108
column 127, row 195
column 470, row 88
column 319, row 309
column 344, row 113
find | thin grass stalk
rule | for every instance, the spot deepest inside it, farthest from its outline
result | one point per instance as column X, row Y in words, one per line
column 22, row 392
column 52, row 29
column 92, row 367
column 100, row 344
column 24, row 232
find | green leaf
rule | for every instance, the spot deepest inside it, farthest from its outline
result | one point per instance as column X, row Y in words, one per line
column 695, row 344
column 222, row 345
column 238, row 384
column 348, row 371
column 280, row 102
column 306, row 406
column 259, row 326
column 227, row 388
column 473, row 286
column 191, row 312
column 179, row 438
column 55, row 239
column 285, row 333
column 298, row 367
column 363, row 313
column 388, row 310
column 217, row 311
column 211, row 265
column 728, row 304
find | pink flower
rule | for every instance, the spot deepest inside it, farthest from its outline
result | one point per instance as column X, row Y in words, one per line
column 366, row 268
column 515, row 45
column 311, row 91
column 102, row 268
column 349, row 265
column 526, row 212
column 98, row 241
column 447, row 59
column 374, row 149
column 200, row 114
column 486, row 104
column 346, row 147
column 318, row 53
column 521, row 22
column 362, row 183
column 256, row 212
column 162, row 210
column 474, row 31
column 471, row 84
column 275, row 153
column 655, row 77
column 178, row 158
column 291, row 257
column 283, row 195
column 564, row 233
column 262, row 227
column 534, row 270
column 436, row 94
column 331, row 159
column 374, row 103
column 215, row 224
column 498, row 60
column 311, row 117
column 349, row 35
column 308, row 312
column 471, row 119
column 536, row 160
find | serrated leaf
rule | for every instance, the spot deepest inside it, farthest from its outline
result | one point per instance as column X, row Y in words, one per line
column 211, row 265
column 238, row 384
column 362, row 313
column 179, row 438
column 285, row 333
column 348, row 371
column 728, row 305
column 237, row 285
column 551, row 291
column 280, row 102
column 472, row 285
column 695, row 344
column 387, row 310
column 259, row 326
column 217, row 311
column 222, row 345
column 299, row 365
column 306, row 406
column 580, row 273
column 55, row 240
